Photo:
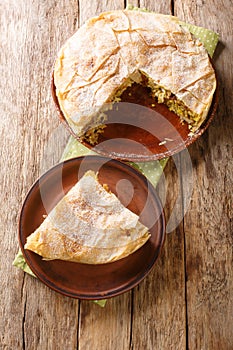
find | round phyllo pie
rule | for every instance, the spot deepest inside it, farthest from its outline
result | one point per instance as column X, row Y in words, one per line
column 117, row 49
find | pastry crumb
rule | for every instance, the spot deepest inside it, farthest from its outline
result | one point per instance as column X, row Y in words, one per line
column 162, row 143
column 168, row 139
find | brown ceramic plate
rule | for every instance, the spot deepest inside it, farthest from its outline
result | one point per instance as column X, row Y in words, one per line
column 94, row 281
column 139, row 129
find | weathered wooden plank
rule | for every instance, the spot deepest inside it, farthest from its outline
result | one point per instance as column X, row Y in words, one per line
column 32, row 316
column 159, row 301
column 107, row 328
column 92, row 8
column 208, row 223
column 135, row 3
column 159, row 320
column 157, row 6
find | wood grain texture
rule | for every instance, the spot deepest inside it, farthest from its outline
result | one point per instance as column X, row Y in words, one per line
column 135, row 3
column 187, row 300
column 157, row 6
column 159, row 314
column 31, row 33
column 107, row 328
column 208, row 223
column 93, row 8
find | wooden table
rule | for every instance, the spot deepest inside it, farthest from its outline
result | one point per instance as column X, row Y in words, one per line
column 187, row 300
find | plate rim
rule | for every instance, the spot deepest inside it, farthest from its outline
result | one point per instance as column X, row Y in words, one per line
column 155, row 156
column 98, row 295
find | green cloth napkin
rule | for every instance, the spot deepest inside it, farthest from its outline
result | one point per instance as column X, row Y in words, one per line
column 20, row 262
column 152, row 170
column 208, row 38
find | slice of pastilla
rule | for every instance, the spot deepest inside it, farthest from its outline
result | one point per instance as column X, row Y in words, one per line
column 89, row 225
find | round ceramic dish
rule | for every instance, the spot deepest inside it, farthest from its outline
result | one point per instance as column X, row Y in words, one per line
column 139, row 129
column 93, row 281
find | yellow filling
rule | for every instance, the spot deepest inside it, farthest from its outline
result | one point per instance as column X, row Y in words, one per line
column 92, row 135
column 175, row 105
column 160, row 94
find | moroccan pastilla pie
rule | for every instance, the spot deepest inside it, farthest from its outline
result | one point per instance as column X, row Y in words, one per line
column 89, row 225
column 112, row 51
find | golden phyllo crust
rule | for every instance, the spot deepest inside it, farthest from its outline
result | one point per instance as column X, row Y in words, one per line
column 112, row 51
column 89, row 225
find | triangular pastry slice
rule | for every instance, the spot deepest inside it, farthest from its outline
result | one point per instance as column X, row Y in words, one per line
column 89, row 225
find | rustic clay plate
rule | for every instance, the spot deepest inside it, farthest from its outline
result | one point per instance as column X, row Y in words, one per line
column 139, row 129
column 94, row 281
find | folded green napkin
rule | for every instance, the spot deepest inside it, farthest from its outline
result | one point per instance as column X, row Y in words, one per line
column 152, row 170
column 208, row 38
